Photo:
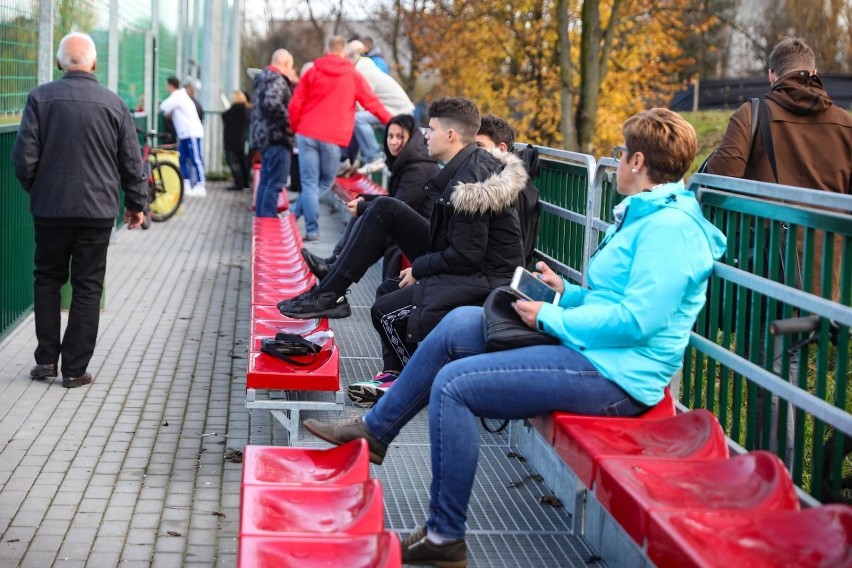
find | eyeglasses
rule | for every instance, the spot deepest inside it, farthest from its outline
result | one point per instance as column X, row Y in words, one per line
column 618, row 152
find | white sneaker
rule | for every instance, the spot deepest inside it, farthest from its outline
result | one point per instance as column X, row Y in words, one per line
column 187, row 187
column 370, row 167
column 198, row 190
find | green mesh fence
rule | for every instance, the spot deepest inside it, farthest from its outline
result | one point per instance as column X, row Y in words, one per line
column 134, row 19
column 18, row 57
column 87, row 16
column 19, row 46
column 167, row 46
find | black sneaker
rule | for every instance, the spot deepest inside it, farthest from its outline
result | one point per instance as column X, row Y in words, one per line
column 319, row 267
column 417, row 549
column 316, row 304
column 309, row 293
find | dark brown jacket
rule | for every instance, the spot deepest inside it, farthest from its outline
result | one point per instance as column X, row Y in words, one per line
column 812, row 139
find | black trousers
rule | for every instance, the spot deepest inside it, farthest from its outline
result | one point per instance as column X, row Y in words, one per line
column 385, row 217
column 238, row 164
column 85, row 250
column 389, row 315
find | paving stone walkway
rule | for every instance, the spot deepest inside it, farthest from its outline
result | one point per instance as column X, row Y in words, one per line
column 130, row 470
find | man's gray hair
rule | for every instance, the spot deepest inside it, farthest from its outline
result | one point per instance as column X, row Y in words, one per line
column 75, row 60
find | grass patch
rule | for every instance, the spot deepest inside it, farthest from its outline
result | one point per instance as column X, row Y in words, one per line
column 710, row 126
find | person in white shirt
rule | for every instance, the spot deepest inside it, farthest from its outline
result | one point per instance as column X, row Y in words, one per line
column 392, row 95
column 180, row 108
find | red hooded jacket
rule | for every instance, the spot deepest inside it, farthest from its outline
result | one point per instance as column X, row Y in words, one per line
column 323, row 105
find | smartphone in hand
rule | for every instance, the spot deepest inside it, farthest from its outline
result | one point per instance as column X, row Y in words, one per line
column 529, row 287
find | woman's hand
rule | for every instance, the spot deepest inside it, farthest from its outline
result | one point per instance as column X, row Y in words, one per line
column 549, row 277
column 528, row 310
column 352, row 206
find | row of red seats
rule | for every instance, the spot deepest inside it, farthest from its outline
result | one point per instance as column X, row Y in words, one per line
column 349, row 188
column 302, row 507
column 668, row 480
column 278, row 271
column 308, row 508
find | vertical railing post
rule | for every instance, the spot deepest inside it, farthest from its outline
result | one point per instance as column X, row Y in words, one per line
column 45, row 42
column 112, row 42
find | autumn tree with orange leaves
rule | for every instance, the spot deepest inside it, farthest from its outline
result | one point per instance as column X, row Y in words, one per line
column 506, row 57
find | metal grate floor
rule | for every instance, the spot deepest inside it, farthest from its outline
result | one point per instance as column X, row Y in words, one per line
column 507, row 524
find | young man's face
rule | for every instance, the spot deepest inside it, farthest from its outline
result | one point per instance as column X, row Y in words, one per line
column 487, row 143
column 438, row 139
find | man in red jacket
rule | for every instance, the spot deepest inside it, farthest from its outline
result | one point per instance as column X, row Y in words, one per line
column 322, row 114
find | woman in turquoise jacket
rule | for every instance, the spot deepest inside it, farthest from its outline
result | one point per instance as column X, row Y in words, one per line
column 621, row 339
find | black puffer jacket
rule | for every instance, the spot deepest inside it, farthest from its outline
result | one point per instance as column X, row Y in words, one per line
column 474, row 233
column 270, row 117
column 409, row 173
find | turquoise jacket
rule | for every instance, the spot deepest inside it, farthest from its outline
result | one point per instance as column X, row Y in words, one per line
column 647, row 284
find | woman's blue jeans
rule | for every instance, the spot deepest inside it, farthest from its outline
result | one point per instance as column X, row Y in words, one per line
column 452, row 373
column 318, row 164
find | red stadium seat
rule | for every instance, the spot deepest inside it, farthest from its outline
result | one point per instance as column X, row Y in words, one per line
column 277, row 465
column 818, row 537
column 381, row 550
column 631, row 488
column 582, row 441
column 267, row 510
column 545, row 423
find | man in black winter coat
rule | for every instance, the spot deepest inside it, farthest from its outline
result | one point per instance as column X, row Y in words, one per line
column 496, row 136
column 471, row 244
column 75, row 147
column 270, row 129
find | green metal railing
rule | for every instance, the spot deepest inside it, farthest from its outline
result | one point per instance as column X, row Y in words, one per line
column 779, row 264
column 721, row 372
column 17, row 243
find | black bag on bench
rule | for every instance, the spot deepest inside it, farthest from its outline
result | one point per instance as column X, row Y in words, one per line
column 286, row 345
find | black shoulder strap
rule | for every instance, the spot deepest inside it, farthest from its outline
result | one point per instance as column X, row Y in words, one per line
column 766, row 134
column 755, row 119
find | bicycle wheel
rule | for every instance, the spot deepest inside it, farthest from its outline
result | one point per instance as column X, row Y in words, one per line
column 168, row 191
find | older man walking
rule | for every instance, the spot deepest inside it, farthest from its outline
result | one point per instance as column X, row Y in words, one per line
column 270, row 129
column 76, row 146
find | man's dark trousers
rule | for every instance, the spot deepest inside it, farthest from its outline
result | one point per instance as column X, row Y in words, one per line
column 85, row 249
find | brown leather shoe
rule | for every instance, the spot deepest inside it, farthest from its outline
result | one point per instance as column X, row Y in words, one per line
column 417, row 549
column 74, row 382
column 345, row 431
column 44, row 371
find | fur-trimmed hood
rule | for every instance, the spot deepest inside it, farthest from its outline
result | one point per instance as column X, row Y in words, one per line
column 497, row 193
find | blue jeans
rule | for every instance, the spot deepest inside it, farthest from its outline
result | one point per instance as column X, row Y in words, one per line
column 452, row 373
column 191, row 163
column 274, row 167
column 318, row 164
column 370, row 149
